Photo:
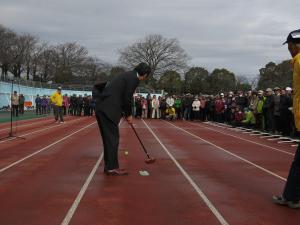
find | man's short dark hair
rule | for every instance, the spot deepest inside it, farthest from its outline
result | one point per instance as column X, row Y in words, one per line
column 143, row 69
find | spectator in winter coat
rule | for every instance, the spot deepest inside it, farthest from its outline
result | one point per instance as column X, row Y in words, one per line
column 66, row 103
column 170, row 101
column 196, row 108
column 57, row 100
column 155, row 107
column 268, row 109
column 44, row 104
column 15, row 103
column 170, row 113
column 21, row 104
column 219, row 109
column 286, row 116
column 259, row 116
column 249, row 120
column 276, row 113
column 144, row 108
column 38, row 105
column 238, row 116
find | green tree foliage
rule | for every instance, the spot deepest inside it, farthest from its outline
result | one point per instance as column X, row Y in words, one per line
column 171, row 82
column 273, row 75
column 196, row 81
column 222, row 80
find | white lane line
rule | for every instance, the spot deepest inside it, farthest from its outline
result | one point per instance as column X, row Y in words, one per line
column 75, row 204
column 253, row 142
column 230, row 153
column 24, row 135
column 28, row 124
column 43, row 149
column 33, row 132
column 194, row 185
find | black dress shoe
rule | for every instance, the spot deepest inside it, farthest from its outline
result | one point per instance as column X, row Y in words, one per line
column 116, row 172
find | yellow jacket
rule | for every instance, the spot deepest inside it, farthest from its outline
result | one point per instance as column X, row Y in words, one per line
column 296, row 90
column 56, row 99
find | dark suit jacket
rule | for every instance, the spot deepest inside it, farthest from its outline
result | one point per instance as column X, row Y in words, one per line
column 116, row 98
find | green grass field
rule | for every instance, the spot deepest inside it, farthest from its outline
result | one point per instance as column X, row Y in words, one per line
column 5, row 116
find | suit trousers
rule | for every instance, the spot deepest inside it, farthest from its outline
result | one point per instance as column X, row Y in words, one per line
column 292, row 187
column 110, row 138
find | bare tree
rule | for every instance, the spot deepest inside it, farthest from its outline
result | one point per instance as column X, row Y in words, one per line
column 7, row 40
column 160, row 53
column 68, row 61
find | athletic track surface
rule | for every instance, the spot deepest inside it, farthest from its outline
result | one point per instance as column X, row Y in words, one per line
column 203, row 174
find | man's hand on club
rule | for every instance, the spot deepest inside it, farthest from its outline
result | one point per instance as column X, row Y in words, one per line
column 129, row 120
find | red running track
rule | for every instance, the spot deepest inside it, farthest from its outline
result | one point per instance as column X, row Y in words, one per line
column 203, row 175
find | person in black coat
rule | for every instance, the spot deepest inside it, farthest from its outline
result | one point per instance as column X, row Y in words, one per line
column 112, row 101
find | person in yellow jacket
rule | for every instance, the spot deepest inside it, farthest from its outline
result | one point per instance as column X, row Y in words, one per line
column 57, row 101
column 291, row 192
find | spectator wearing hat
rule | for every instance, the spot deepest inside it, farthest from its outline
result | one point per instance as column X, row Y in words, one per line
column 57, row 101
column 291, row 193
column 268, row 109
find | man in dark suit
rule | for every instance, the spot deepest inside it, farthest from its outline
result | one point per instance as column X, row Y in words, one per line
column 112, row 101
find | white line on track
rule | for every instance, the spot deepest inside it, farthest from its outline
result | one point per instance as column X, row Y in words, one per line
column 43, row 149
column 230, row 153
column 190, row 180
column 33, row 132
column 75, row 204
column 24, row 135
column 28, row 124
column 253, row 142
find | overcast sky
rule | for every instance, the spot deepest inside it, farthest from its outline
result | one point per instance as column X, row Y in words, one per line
column 239, row 35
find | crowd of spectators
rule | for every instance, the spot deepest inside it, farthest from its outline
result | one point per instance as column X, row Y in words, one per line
column 267, row 110
column 72, row 105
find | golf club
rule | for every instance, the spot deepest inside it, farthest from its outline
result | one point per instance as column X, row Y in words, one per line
column 149, row 159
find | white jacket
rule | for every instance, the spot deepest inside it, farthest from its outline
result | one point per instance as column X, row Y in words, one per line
column 196, row 105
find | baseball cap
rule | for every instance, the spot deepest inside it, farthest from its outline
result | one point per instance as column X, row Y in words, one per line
column 288, row 89
column 276, row 89
column 268, row 90
column 59, row 88
column 293, row 37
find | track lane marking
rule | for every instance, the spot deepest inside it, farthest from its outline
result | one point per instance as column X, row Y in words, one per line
column 230, row 153
column 82, row 191
column 253, row 142
column 28, row 124
column 47, row 128
column 43, row 149
column 190, row 180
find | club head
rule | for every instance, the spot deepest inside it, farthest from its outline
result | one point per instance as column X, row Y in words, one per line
column 150, row 160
